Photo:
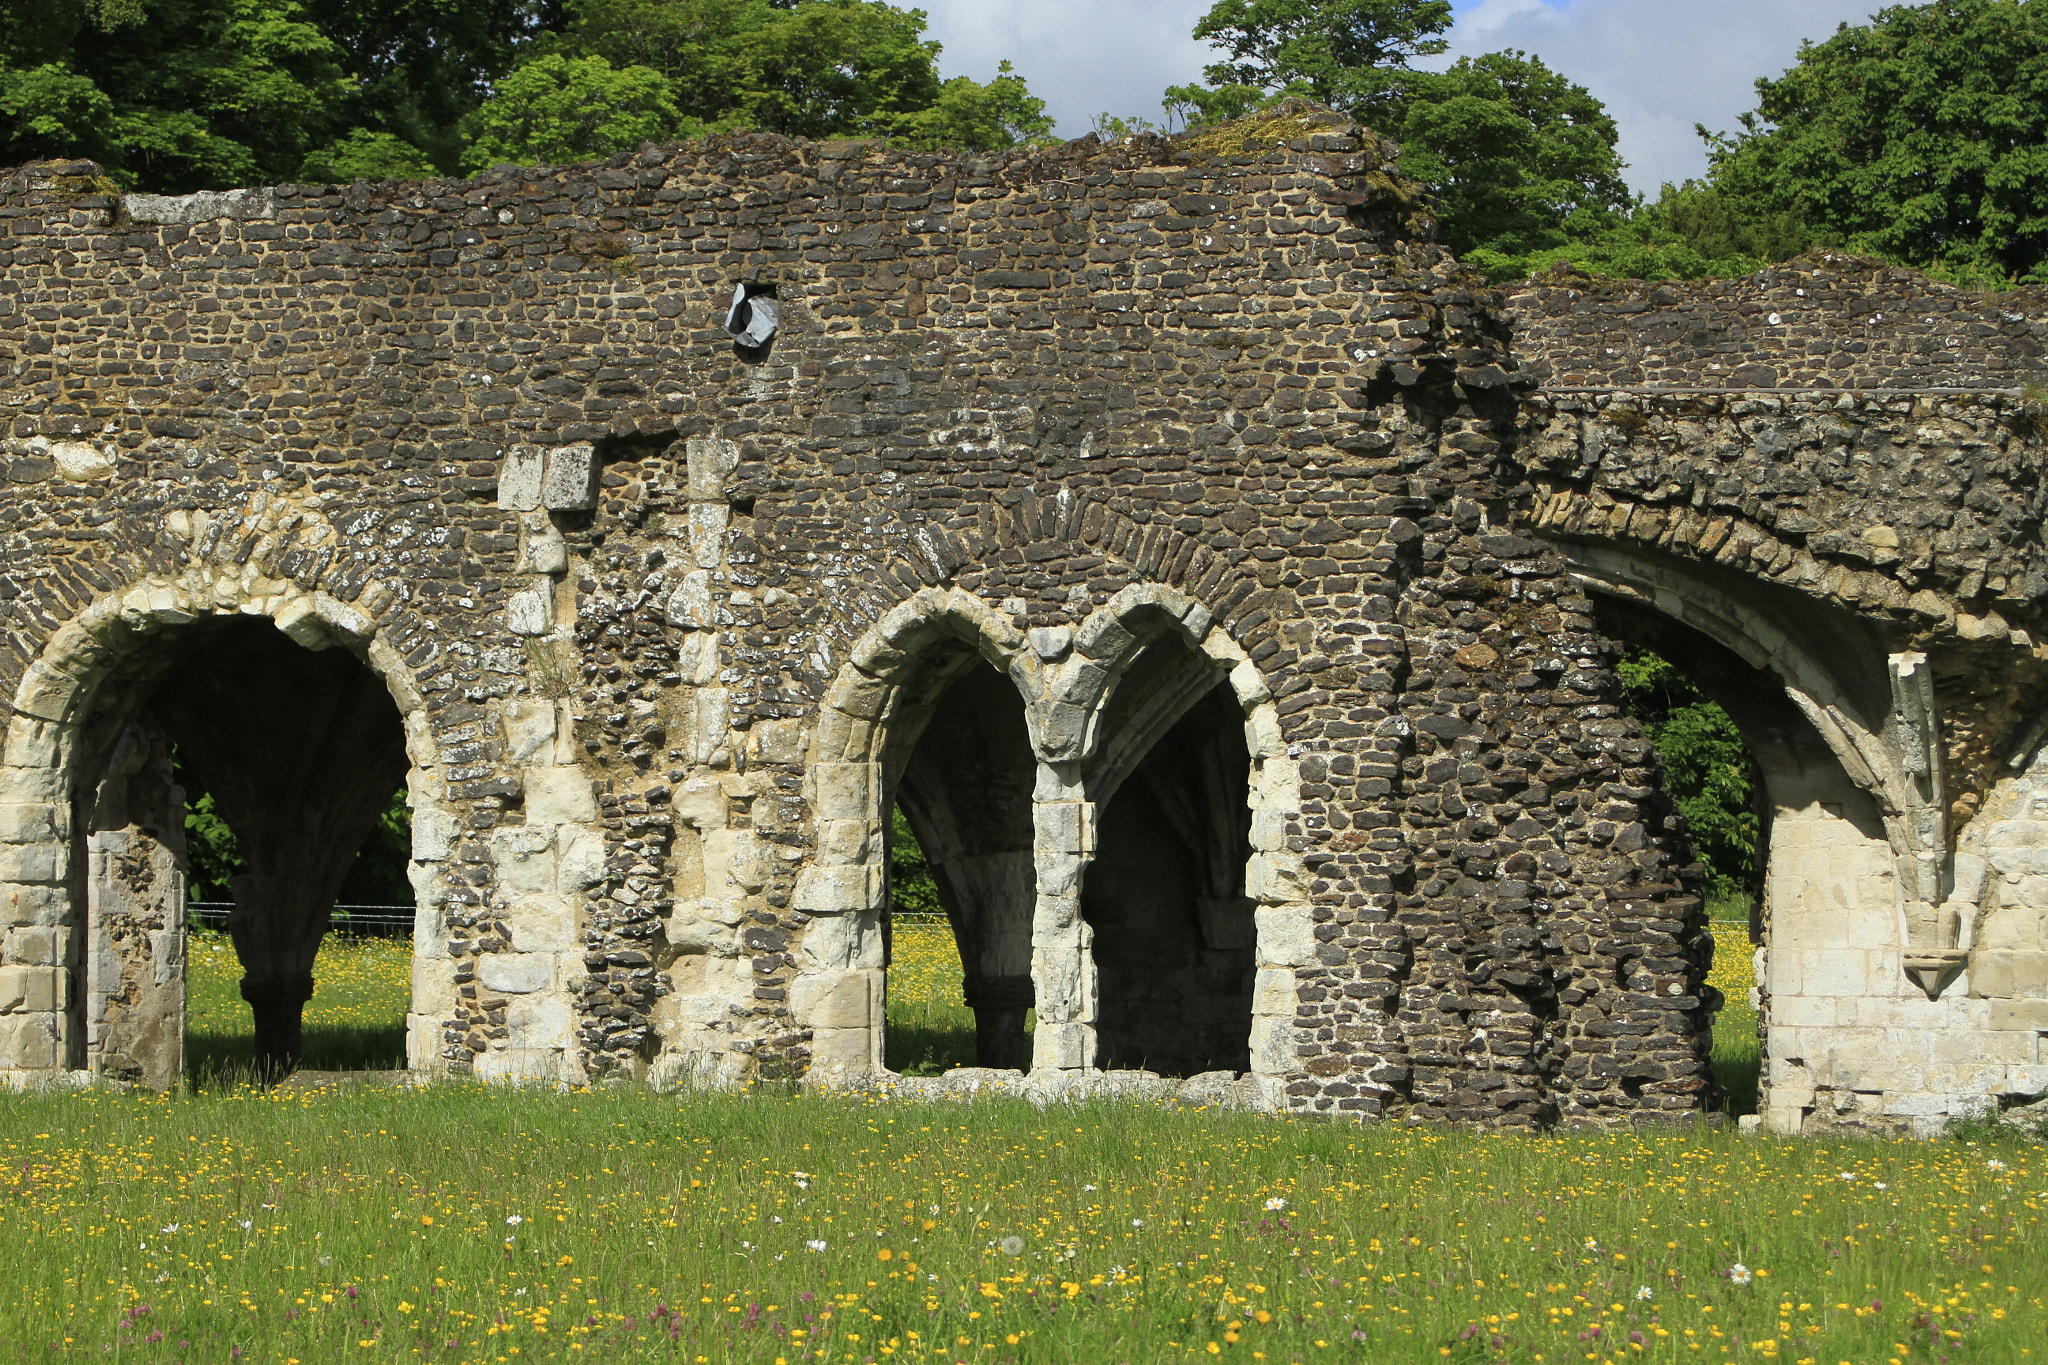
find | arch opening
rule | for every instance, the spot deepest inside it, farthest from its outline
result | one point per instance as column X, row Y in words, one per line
column 959, row 766
column 300, row 749
column 1173, row 931
column 1818, row 904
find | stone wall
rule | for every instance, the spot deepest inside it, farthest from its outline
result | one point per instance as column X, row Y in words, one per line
column 1824, row 321
column 1174, row 433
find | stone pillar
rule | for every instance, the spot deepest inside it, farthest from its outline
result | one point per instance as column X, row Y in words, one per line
column 135, row 916
column 1062, row 945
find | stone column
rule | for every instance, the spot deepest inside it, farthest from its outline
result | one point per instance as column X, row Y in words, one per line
column 1062, row 947
column 135, row 916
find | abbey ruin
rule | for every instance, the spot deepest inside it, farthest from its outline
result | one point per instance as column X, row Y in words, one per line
column 1226, row 583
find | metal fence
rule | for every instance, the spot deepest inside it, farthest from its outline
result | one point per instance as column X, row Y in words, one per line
column 353, row 921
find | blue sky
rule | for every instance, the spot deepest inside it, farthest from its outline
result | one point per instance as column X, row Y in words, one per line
column 1660, row 65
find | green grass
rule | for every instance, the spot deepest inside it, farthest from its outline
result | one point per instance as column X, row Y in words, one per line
column 458, row 1224
column 355, row 1021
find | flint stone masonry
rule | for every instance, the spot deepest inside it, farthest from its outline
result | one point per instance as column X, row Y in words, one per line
column 1227, row 583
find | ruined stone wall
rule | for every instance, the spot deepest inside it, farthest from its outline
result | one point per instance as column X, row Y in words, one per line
column 652, row 604
column 1824, row 321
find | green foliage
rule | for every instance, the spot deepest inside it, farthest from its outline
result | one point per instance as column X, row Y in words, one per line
column 1519, row 157
column 178, row 95
column 364, row 155
column 1921, row 137
column 912, row 888
column 558, row 109
column 1352, row 55
column 1708, row 767
column 212, row 857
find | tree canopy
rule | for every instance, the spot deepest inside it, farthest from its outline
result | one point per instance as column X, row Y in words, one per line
column 1520, row 157
column 178, row 95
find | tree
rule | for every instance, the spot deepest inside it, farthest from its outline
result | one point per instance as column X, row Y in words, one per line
column 1706, row 764
column 173, row 95
column 1518, row 156
column 1352, row 55
column 558, row 109
column 804, row 68
column 1921, row 136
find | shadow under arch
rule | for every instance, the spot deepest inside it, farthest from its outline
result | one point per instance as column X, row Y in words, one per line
column 1815, row 694
column 102, row 881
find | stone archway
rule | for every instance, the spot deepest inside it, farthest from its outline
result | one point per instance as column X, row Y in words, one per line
column 92, row 883
column 1065, row 676
column 1857, row 930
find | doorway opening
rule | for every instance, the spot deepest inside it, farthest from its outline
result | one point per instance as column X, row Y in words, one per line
column 1173, row 930
column 293, row 756
column 958, row 779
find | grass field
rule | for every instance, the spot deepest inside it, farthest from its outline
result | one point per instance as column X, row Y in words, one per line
column 452, row 1224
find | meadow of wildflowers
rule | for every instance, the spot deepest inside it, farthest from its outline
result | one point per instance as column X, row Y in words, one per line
column 455, row 1224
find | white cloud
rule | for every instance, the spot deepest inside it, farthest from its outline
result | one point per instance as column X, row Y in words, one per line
column 1660, row 65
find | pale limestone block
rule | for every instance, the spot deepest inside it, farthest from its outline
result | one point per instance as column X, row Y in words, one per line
column 434, row 833
column 520, row 1066
column 1286, row 934
column 846, row 791
column 31, row 786
column 735, row 869
column 540, row 1021
column 2029, row 1015
column 708, row 740
column 1060, row 978
column 834, row 1000
column 1272, row 1046
column 42, row 946
column 1801, row 1011
column 167, row 952
column 531, row 611
column 433, row 987
column 29, row 990
column 1062, row 1046
column 1269, row 830
column 846, row 841
column 1262, row 732
column 1839, row 972
column 1058, row 919
column 700, row 804
column 1058, row 874
column 30, row 1043
column 839, row 942
column 1275, row 992
column 524, row 857
column 708, row 522
column 79, row 462
column 29, row 824
column 32, row 862
column 692, row 605
column 1059, row 729
column 516, row 973
column 697, row 656
column 519, row 478
column 702, row 930
column 1991, row 974
column 580, row 858
column 529, row 725
column 1275, row 878
column 837, row 1053
column 779, row 741
column 541, row 924
column 569, row 478
column 45, row 693
column 1064, row 826
column 541, row 547
column 45, row 906
column 558, row 796
column 707, row 460
column 1902, row 1105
